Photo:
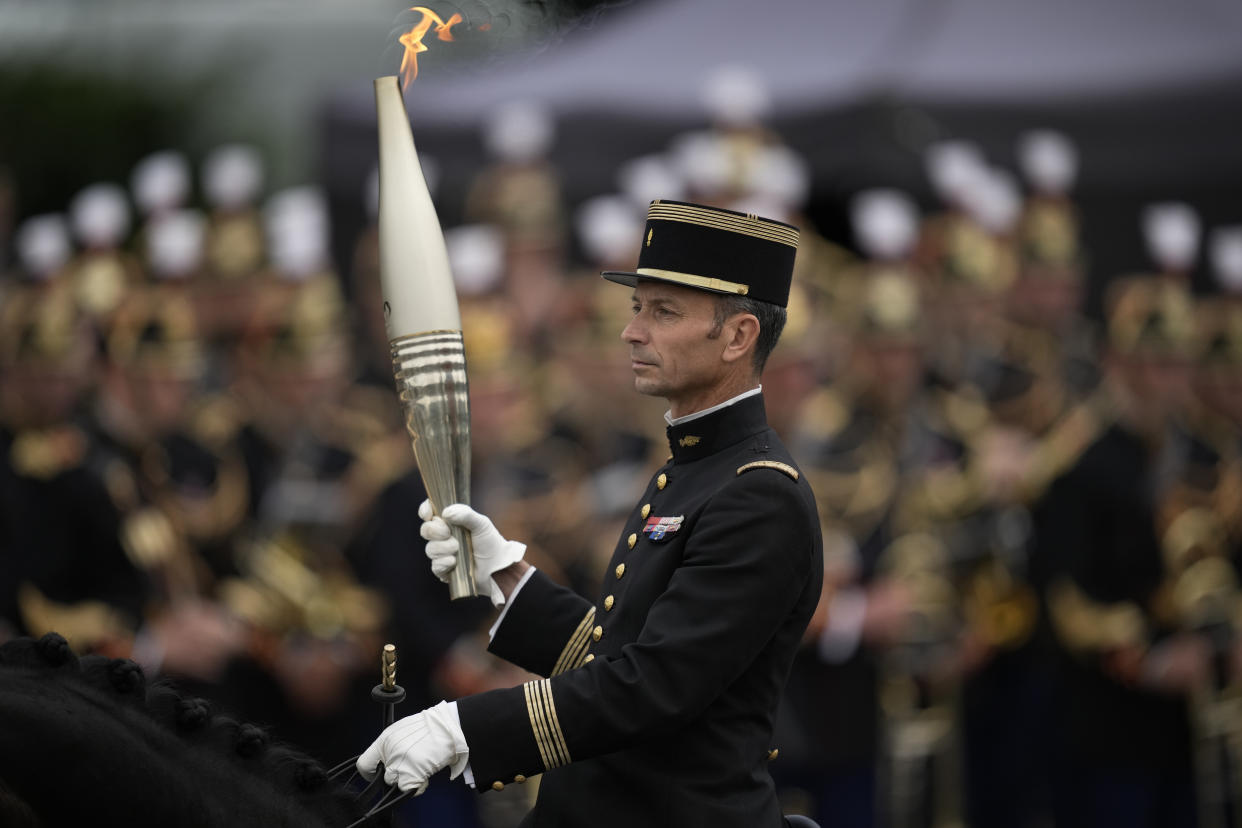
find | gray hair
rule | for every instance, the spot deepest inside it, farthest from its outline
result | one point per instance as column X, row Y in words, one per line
column 771, row 322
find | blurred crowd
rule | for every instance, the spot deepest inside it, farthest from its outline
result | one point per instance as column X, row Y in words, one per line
column 1032, row 519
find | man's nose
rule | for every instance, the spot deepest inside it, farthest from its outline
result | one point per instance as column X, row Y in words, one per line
column 633, row 332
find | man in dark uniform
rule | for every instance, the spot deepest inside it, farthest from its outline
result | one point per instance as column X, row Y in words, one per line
column 62, row 565
column 659, row 700
column 859, row 439
column 1128, row 674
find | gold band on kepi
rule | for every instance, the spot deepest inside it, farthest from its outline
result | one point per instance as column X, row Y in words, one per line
column 716, row 250
column 748, row 224
column 704, row 282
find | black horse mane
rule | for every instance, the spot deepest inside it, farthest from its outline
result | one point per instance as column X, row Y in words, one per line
column 88, row 741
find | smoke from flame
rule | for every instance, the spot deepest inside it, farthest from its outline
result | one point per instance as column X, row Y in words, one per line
column 413, row 40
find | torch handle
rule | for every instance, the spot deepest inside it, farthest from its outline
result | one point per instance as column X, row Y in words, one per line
column 430, row 370
column 461, row 579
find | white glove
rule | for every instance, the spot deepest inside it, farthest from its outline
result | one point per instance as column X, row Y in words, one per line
column 416, row 747
column 492, row 552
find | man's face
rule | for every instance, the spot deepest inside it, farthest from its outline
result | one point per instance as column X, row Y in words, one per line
column 1159, row 385
column 1221, row 388
column 893, row 371
column 671, row 353
column 161, row 396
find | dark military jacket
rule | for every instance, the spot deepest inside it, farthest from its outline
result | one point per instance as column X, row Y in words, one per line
column 658, row 703
column 60, row 535
column 1097, row 528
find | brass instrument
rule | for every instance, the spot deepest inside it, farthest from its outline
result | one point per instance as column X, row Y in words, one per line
column 1203, row 597
column 916, row 696
column 282, row 591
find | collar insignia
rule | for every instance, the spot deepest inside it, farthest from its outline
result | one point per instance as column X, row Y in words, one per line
column 688, row 440
column 658, row 528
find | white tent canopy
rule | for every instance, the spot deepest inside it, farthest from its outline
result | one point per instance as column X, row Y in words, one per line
column 1149, row 90
column 652, row 58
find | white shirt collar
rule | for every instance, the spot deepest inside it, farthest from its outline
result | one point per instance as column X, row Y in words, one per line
column 673, row 421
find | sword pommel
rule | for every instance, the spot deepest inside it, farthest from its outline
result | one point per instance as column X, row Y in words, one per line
column 388, row 667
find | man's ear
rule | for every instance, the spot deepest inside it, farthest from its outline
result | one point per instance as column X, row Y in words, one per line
column 742, row 331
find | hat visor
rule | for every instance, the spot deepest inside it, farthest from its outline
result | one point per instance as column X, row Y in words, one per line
column 622, row 277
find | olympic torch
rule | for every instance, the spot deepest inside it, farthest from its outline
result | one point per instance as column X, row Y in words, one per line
column 424, row 324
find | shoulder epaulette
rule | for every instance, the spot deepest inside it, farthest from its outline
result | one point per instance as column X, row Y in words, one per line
column 44, row 453
column 770, row 464
column 824, row 415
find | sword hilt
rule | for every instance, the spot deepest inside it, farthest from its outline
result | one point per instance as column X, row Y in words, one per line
column 388, row 668
column 388, row 692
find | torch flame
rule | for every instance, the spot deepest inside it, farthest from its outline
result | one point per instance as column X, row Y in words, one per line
column 413, row 40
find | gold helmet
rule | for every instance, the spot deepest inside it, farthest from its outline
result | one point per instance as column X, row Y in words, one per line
column 153, row 330
column 40, row 325
column 890, row 306
column 1049, row 237
column 1048, row 231
column 1149, row 315
column 295, row 322
column 1218, row 334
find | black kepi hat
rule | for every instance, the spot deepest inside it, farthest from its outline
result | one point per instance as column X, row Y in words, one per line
column 720, row 251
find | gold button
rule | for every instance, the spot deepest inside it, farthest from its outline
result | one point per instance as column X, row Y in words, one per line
column 620, row 570
column 589, row 658
column 631, row 540
column 773, row 753
column 608, row 602
column 662, row 481
column 646, row 509
column 597, row 633
column 519, row 779
column 498, row 785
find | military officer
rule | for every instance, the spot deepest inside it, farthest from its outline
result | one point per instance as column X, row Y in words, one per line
column 62, row 565
column 1127, row 673
column 657, row 701
column 1048, row 293
column 859, row 439
column 1216, row 417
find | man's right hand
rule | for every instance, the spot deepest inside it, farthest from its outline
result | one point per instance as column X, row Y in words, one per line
column 887, row 613
column 492, row 553
column 1178, row 665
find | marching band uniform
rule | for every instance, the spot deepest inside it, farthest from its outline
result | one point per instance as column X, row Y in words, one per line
column 856, row 438
column 1097, row 539
column 1217, row 418
column 62, row 565
column 1045, row 365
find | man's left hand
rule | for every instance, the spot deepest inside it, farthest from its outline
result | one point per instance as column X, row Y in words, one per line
column 416, row 747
